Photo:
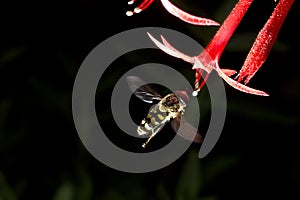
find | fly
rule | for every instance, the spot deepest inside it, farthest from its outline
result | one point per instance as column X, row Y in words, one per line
column 169, row 108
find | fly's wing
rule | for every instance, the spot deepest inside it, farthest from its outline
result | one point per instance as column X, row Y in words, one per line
column 186, row 130
column 142, row 90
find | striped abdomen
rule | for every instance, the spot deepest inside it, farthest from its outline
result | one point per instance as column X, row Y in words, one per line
column 169, row 107
column 157, row 116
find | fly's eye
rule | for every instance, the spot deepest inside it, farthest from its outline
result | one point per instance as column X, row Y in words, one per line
column 166, row 103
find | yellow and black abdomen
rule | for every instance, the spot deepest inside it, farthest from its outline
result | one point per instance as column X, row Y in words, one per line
column 157, row 116
column 169, row 107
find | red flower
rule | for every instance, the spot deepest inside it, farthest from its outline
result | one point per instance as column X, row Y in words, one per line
column 264, row 41
column 208, row 60
column 174, row 11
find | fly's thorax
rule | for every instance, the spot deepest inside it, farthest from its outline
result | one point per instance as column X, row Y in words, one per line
column 172, row 103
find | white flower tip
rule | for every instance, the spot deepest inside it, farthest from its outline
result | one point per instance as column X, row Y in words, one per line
column 137, row 10
column 130, row 2
column 151, row 37
column 195, row 93
column 265, row 94
column 129, row 13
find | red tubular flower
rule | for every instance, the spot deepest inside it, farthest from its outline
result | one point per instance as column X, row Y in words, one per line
column 174, row 11
column 215, row 48
column 208, row 60
column 218, row 43
column 264, row 41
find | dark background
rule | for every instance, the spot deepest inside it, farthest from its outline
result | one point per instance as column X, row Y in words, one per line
column 41, row 156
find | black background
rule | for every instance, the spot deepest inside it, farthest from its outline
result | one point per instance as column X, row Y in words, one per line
column 41, row 156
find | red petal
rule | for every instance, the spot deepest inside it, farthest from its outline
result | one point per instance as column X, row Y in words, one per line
column 239, row 86
column 169, row 49
column 184, row 16
column 228, row 72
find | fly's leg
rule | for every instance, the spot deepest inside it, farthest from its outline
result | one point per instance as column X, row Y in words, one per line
column 154, row 132
column 151, row 136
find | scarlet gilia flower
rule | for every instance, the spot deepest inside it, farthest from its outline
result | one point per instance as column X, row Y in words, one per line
column 264, row 41
column 192, row 19
column 208, row 60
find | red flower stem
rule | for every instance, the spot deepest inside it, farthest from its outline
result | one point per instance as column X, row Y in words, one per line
column 217, row 45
